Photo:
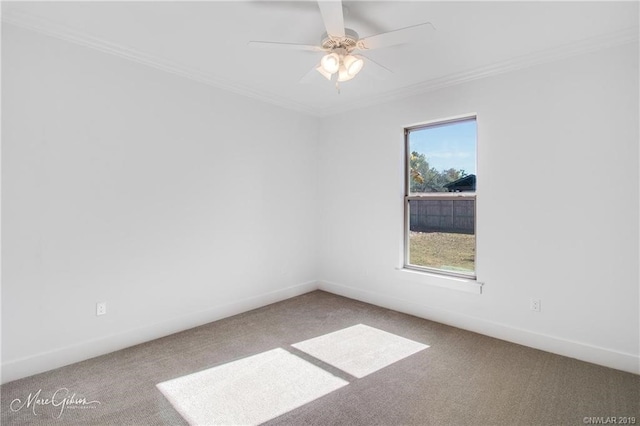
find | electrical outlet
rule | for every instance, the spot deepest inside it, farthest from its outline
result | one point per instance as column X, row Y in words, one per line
column 535, row 305
column 101, row 308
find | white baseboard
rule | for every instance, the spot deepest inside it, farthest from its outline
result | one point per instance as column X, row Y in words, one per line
column 582, row 351
column 17, row 369
column 27, row 366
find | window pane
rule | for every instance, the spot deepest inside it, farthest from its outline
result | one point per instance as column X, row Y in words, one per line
column 441, row 160
column 442, row 234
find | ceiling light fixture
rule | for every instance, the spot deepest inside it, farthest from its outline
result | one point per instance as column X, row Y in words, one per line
column 330, row 63
column 353, row 64
column 341, row 62
column 324, row 73
column 343, row 74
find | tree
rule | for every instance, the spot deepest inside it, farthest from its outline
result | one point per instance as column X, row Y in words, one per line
column 424, row 178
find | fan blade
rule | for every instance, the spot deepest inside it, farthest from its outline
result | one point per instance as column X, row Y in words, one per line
column 311, row 77
column 316, row 73
column 287, row 46
column 375, row 69
column 404, row 35
column 332, row 16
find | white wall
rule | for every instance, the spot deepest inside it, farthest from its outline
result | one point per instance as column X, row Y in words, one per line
column 178, row 204
column 557, row 208
column 174, row 202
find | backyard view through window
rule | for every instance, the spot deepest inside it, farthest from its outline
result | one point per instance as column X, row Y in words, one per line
column 441, row 197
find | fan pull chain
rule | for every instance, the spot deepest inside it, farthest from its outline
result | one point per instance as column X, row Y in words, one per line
column 338, row 87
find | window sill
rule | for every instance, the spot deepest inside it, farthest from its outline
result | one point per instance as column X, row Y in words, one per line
column 437, row 280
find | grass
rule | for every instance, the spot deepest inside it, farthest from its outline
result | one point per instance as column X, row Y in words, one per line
column 453, row 252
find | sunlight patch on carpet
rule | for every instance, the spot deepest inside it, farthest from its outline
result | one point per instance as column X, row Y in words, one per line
column 360, row 350
column 249, row 391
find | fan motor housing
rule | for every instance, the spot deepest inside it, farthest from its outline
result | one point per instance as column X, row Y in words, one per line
column 348, row 42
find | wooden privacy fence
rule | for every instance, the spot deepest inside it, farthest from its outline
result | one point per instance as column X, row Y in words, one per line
column 442, row 215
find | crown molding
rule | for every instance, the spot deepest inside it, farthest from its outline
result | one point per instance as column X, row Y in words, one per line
column 625, row 36
column 68, row 34
column 30, row 22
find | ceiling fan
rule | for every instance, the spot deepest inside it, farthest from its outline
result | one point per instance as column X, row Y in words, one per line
column 339, row 63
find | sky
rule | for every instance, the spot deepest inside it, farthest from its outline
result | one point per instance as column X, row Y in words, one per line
column 448, row 146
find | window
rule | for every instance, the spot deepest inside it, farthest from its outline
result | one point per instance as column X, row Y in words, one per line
column 440, row 197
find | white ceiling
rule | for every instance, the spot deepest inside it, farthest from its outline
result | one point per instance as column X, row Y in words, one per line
column 207, row 41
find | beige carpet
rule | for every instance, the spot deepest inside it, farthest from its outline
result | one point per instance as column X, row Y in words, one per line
column 249, row 391
column 262, row 387
column 360, row 350
column 463, row 378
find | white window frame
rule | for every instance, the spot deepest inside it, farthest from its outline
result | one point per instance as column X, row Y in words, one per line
column 435, row 195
